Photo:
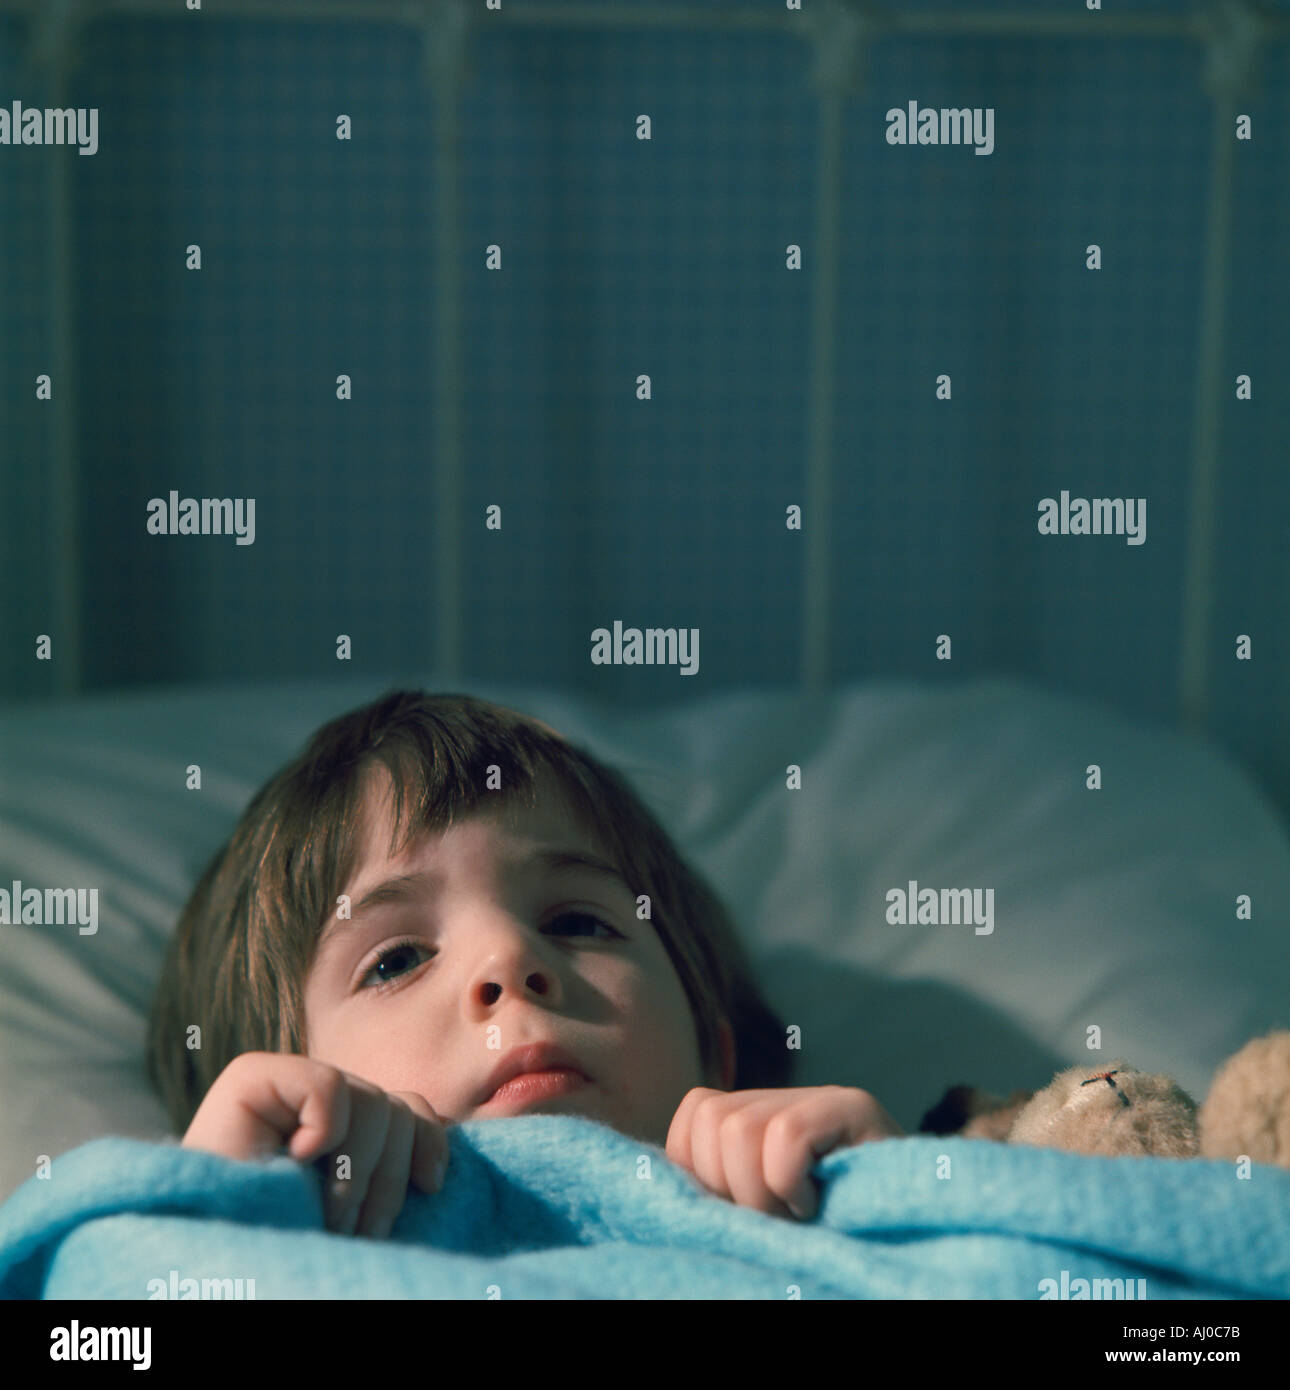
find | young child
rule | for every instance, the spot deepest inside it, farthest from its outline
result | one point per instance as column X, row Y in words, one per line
column 433, row 886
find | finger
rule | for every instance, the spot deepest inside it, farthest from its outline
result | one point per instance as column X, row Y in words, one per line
column 322, row 1110
column 362, row 1145
column 272, row 1096
column 387, row 1189
column 678, row 1146
column 826, row 1118
column 430, row 1147
column 707, row 1156
column 743, row 1134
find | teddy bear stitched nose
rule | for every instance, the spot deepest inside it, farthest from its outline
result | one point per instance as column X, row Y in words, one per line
column 1106, row 1076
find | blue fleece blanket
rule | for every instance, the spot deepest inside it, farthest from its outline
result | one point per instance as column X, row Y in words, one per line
column 558, row 1206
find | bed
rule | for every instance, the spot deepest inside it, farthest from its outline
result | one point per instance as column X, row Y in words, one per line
column 1115, row 907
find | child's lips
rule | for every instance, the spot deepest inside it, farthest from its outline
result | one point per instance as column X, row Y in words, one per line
column 530, row 1088
column 531, row 1057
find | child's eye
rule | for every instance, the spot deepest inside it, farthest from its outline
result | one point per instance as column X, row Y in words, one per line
column 390, row 952
column 583, row 917
column 400, row 947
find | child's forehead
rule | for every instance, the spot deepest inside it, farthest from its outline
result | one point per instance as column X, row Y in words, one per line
column 550, row 820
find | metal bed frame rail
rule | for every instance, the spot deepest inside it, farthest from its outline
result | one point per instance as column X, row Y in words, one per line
column 1233, row 32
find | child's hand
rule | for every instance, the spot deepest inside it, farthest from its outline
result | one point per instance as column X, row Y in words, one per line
column 757, row 1148
column 263, row 1100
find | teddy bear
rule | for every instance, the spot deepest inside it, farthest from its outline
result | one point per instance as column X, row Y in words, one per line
column 1116, row 1109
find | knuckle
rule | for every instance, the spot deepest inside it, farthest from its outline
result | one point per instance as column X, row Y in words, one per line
column 741, row 1124
column 788, row 1127
column 326, row 1080
column 414, row 1104
column 245, row 1064
column 864, row 1102
column 361, row 1086
column 707, row 1103
column 684, row 1114
column 400, row 1122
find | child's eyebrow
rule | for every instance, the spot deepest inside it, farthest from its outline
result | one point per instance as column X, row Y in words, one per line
column 403, row 888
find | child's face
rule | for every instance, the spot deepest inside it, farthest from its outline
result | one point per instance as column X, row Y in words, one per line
column 498, row 945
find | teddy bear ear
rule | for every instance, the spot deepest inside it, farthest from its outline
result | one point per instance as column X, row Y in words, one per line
column 973, row 1113
column 1247, row 1110
column 954, row 1109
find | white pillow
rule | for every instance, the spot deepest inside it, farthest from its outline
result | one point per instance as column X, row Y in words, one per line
column 1114, row 908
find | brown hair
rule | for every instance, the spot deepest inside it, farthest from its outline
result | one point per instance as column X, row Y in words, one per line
column 239, row 957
